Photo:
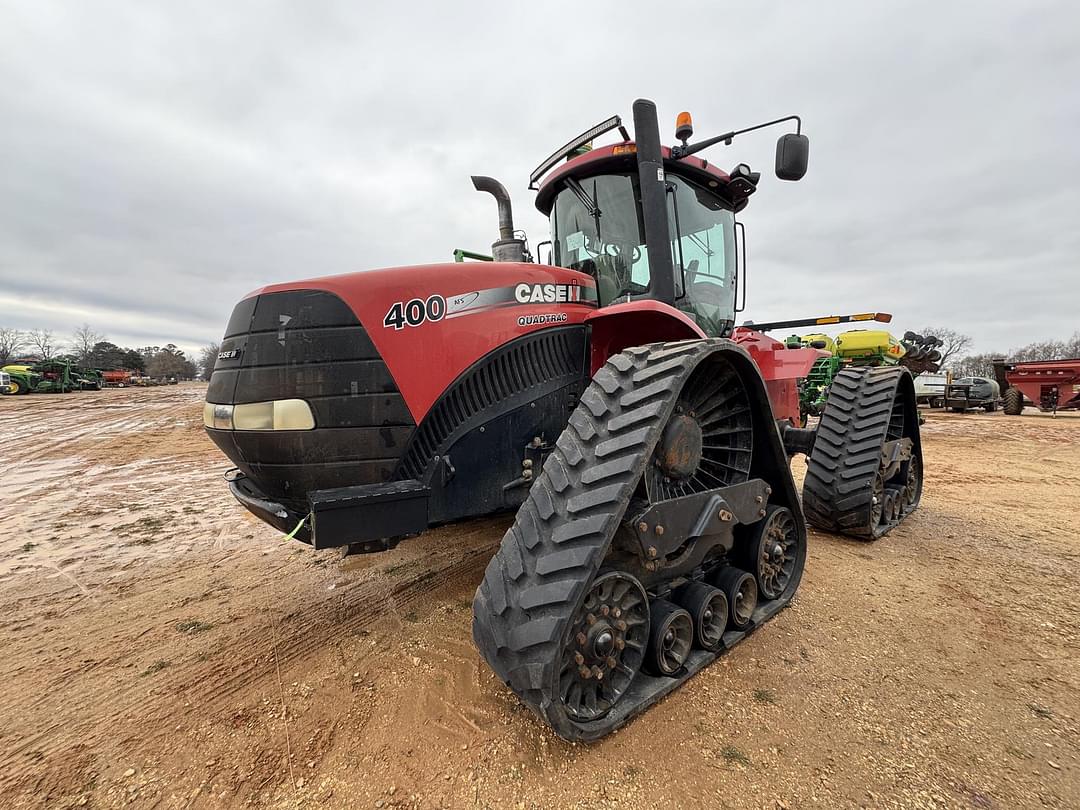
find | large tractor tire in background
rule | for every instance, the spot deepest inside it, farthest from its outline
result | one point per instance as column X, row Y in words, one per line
column 663, row 529
column 1013, row 402
column 864, row 474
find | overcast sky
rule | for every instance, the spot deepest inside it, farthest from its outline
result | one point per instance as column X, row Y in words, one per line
column 159, row 160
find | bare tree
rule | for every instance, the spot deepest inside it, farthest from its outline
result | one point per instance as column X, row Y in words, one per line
column 43, row 341
column 207, row 359
column 976, row 365
column 1072, row 346
column 1042, row 350
column 83, row 341
column 953, row 343
column 11, row 340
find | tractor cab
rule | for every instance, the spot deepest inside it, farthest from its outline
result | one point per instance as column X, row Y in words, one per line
column 652, row 222
column 597, row 228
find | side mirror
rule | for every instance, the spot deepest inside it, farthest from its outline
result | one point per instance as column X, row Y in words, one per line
column 792, row 153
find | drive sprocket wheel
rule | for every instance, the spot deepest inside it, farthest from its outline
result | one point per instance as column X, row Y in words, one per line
column 708, row 441
column 606, row 646
column 777, row 552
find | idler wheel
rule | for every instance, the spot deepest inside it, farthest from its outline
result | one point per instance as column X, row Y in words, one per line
column 606, row 646
column 741, row 590
column 775, row 552
column 670, row 638
column 708, row 608
column 913, row 484
column 877, row 500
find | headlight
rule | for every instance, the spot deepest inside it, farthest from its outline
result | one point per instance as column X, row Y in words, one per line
column 217, row 416
column 280, row 414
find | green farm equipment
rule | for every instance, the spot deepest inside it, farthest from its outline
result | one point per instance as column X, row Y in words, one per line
column 87, row 379
column 44, row 377
column 855, row 348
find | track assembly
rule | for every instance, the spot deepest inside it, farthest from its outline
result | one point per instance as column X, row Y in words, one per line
column 864, row 474
column 621, row 576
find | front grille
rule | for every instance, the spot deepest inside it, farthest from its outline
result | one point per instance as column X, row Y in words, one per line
column 308, row 344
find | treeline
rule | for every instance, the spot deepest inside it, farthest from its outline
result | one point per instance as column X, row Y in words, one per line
column 981, row 365
column 88, row 349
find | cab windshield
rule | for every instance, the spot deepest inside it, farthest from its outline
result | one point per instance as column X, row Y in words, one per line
column 597, row 228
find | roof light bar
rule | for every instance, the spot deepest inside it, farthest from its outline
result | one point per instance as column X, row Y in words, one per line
column 615, row 122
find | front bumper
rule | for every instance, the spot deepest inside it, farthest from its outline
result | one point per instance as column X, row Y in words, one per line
column 280, row 517
column 371, row 517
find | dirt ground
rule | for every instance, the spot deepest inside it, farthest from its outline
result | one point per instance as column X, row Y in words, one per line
column 161, row 648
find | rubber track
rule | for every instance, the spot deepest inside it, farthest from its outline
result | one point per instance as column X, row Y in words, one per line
column 535, row 582
column 847, row 451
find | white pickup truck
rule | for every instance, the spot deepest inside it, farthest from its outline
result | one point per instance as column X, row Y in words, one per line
column 930, row 388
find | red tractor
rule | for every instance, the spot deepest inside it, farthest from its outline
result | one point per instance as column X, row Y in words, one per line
column 607, row 396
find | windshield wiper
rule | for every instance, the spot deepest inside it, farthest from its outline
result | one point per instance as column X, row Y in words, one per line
column 583, row 195
column 697, row 240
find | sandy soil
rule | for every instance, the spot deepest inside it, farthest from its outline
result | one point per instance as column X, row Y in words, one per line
column 160, row 648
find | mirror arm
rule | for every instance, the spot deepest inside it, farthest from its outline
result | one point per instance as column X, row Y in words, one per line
column 679, row 152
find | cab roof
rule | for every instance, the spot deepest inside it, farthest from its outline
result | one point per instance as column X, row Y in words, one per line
column 622, row 157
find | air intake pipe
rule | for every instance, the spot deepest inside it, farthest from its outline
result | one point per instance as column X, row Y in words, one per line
column 507, row 248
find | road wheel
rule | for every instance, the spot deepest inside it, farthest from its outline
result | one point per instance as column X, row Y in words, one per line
column 670, row 638
column 1014, row 402
column 741, row 590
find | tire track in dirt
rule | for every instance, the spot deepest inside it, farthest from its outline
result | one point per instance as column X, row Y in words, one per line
column 302, row 630
column 940, row 662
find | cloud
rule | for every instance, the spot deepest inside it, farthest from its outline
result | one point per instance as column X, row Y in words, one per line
column 160, row 161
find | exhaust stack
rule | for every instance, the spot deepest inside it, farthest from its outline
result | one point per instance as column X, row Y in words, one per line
column 507, row 248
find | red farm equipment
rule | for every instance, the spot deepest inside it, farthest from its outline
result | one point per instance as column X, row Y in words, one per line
column 116, row 378
column 606, row 396
column 1050, row 385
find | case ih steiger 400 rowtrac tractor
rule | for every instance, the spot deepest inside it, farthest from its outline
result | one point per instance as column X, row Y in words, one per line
column 607, row 396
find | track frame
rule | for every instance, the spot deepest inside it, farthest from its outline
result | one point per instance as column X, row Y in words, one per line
column 535, row 583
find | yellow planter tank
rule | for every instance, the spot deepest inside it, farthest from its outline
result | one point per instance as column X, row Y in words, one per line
column 865, row 343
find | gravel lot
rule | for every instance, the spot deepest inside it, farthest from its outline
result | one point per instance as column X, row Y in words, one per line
column 161, row 648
